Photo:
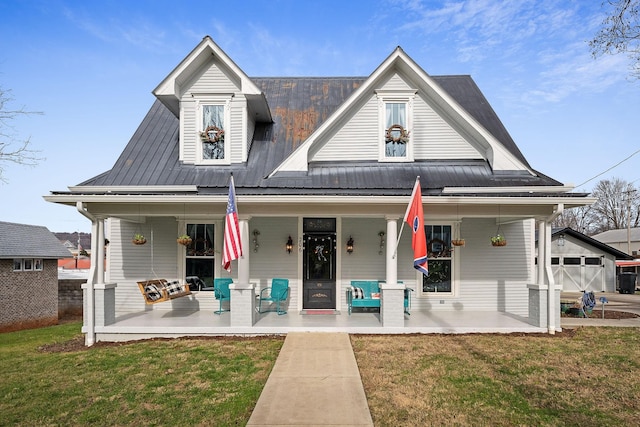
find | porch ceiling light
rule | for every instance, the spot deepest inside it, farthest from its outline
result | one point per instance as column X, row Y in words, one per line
column 350, row 245
column 289, row 245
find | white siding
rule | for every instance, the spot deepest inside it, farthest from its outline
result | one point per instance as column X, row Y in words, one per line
column 211, row 81
column 236, row 130
column 490, row 278
column 214, row 80
column 271, row 259
column 434, row 138
column 359, row 138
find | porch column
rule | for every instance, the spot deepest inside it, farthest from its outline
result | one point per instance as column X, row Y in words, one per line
column 553, row 300
column 243, row 299
column 544, row 296
column 392, row 298
column 105, row 294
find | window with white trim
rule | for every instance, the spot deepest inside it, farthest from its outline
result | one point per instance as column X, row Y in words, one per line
column 27, row 264
column 396, row 111
column 440, row 260
column 200, row 256
column 213, row 132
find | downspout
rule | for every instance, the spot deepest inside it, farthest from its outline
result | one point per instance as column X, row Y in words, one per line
column 90, row 338
column 551, row 303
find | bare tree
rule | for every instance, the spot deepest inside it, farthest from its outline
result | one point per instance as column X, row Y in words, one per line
column 617, row 206
column 12, row 148
column 620, row 33
column 580, row 219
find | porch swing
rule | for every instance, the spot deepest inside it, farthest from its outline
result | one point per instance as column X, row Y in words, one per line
column 161, row 290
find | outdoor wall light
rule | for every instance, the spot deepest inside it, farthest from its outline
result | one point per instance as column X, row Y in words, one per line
column 289, row 245
column 381, row 251
column 350, row 245
column 561, row 240
column 256, row 245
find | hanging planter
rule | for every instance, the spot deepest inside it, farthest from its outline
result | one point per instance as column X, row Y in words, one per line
column 498, row 240
column 138, row 239
column 457, row 242
column 185, row 240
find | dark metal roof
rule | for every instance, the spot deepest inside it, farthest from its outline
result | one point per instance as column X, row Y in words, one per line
column 299, row 106
column 29, row 241
column 590, row 241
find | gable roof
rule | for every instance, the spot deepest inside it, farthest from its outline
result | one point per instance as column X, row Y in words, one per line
column 170, row 90
column 29, row 241
column 617, row 236
column 556, row 232
column 151, row 156
column 497, row 154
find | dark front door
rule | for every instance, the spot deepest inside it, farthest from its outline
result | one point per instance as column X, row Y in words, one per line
column 319, row 284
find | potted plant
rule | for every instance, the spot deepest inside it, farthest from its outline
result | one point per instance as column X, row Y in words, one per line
column 139, row 239
column 498, row 240
column 457, row 242
column 185, row 240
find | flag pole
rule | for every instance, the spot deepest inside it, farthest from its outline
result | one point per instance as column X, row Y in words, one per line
column 404, row 219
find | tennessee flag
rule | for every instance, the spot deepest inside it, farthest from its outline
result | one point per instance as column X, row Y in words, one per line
column 232, row 248
column 415, row 218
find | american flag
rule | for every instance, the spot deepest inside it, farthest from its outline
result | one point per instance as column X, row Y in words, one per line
column 415, row 218
column 232, row 242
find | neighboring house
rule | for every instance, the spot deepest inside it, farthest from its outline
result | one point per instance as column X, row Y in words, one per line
column 76, row 242
column 625, row 240
column 582, row 263
column 317, row 162
column 28, row 276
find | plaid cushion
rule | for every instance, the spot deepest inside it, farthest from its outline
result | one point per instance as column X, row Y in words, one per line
column 174, row 287
column 152, row 292
column 358, row 293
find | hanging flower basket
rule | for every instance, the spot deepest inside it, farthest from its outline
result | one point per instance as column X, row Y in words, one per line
column 138, row 239
column 184, row 240
column 457, row 242
column 498, row 240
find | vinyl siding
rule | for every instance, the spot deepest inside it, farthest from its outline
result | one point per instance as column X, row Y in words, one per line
column 434, row 138
column 490, row 278
column 271, row 259
column 211, row 81
column 358, row 139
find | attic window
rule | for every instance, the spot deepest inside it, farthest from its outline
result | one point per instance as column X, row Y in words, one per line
column 396, row 113
column 212, row 135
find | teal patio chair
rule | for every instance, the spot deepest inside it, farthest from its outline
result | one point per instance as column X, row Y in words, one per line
column 277, row 293
column 221, row 292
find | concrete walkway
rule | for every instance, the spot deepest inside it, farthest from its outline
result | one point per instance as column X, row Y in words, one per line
column 315, row 381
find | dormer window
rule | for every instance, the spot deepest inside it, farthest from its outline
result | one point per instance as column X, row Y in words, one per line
column 396, row 136
column 396, row 111
column 213, row 134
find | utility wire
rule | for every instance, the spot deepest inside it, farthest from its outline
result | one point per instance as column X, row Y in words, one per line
column 612, row 167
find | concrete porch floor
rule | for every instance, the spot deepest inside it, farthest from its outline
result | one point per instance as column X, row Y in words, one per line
column 177, row 323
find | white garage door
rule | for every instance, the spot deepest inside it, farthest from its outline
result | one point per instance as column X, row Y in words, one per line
column 579, row 273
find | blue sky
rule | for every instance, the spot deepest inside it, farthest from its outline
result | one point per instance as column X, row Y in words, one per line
column 90, row 67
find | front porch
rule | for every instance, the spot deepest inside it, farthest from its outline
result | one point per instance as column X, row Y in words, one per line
column 174, row 323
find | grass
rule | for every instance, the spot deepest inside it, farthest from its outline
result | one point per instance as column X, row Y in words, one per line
column 590, row 376
column 160, row 382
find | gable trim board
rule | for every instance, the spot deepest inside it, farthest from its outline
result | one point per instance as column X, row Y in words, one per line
column 309, row 147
